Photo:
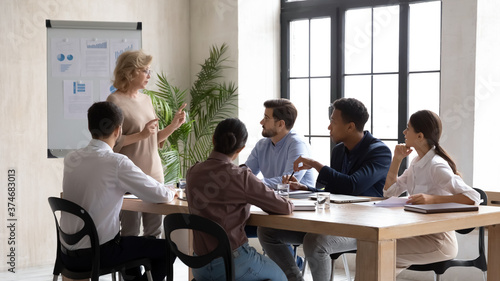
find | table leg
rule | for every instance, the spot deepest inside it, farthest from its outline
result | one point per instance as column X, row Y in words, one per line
column 191, row 250
column 493, row 252
column 376, row 260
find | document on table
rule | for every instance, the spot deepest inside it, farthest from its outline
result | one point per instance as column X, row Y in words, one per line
column 304, row 205
column 300, row 194
column 392, row 202
column 254, row 208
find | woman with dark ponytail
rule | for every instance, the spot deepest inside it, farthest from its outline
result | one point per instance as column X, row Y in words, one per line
column 221, row 191
column 431, row 178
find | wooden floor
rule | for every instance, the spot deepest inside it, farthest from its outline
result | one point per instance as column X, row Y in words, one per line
column 44, row 273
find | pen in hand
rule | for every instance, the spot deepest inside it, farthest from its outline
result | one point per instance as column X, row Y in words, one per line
column 290, row 177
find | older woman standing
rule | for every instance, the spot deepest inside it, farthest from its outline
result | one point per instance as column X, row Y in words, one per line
column 140, row 137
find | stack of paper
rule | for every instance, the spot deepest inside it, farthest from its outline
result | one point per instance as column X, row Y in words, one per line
column 392, row 202
column 304, row 205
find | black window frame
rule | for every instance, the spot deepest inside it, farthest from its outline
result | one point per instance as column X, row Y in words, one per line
column 335, row 9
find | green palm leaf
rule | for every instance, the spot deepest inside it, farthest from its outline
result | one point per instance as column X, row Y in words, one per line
column 211, row 102
column 171, row 163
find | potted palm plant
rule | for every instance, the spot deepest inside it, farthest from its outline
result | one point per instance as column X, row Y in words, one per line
column 211, row 100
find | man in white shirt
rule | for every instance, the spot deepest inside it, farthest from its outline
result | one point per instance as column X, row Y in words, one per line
column 96, row 178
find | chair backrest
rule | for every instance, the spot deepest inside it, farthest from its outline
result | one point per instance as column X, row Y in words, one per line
column 484, row 197
column 188, row 221
column 479, row 262
column 88, row 229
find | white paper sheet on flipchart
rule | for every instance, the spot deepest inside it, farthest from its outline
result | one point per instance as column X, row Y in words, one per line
column 391, row 202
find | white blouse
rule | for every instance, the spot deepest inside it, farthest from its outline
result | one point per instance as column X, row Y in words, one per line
column 431, row 175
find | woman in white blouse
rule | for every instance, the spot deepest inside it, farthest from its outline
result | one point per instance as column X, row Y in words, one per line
column 431, row 178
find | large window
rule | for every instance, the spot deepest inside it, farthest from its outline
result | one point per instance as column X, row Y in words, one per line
column 386, row 55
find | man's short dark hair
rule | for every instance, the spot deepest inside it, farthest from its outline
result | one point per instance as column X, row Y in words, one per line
column 352, row 110
column 284, row 110
column 104, row 117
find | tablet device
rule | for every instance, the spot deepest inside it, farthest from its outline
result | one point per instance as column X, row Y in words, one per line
column 440, row 208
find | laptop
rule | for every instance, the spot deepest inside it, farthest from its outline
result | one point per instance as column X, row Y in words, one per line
column 341, row 198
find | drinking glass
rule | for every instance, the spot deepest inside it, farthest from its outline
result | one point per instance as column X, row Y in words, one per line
column 322, row 200
column 283, row 190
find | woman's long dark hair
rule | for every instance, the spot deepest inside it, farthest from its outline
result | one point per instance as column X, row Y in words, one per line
column 429, row 124
column 229, row 136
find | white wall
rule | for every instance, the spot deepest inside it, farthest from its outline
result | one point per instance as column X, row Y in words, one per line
column 23, row 108
column 457, row 82
column 214, row 22
column 251, row 30
column 487, row 96
column 470, row 88
column 259, row 63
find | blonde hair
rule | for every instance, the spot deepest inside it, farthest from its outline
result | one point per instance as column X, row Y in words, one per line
column 127, row 66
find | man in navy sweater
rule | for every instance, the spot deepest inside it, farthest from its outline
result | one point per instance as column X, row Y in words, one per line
column 359, row 164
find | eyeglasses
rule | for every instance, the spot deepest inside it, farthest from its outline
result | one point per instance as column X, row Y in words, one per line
column 270, row 118
column 147, row 71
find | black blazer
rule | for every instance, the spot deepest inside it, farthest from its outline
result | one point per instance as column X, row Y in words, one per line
column 366, row 171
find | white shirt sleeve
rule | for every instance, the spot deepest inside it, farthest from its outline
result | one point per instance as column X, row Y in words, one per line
column 399, row 186
column 132, row 179
column 451, row 183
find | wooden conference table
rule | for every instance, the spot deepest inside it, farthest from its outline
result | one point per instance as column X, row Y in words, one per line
column 376, row 229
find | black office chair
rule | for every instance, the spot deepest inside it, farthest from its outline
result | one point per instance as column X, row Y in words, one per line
column 334, row 257
column 480, row 262
column 59, row 204
column 187, row 221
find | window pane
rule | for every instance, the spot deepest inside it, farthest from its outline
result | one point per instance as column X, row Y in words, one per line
column 391, row 145
column 320, row 101
column 386, row 39
column 358, row 26
column 359, row 87
column 385, row 106
column 320, row 149
column 299, row 96
column 423, row 92
column 299, row 48
column 320, row 47
column 425, row 36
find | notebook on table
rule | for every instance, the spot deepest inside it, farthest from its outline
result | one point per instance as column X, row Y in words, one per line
column 304, row 205
column 300, row 194
column 341, row 198
column 440, row 208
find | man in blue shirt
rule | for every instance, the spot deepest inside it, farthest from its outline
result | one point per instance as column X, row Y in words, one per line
column 359, row 166
column 274, row 155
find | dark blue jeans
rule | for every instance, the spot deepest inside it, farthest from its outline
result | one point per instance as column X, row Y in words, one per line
column 248, row 266
column 126, row 249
